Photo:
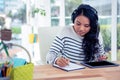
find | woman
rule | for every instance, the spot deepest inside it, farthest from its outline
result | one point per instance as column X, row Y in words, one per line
column 80, row 42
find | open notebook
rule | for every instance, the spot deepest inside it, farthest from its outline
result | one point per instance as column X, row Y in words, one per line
column 70, row 67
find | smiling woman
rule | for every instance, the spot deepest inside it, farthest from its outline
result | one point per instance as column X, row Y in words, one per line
column 80, row 42
column 82, row 25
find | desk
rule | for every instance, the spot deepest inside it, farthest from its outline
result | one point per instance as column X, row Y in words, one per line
column 48, row 72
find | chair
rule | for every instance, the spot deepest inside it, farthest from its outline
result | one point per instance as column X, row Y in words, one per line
column 46, row 36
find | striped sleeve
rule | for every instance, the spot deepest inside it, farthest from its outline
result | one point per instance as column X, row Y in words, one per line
column 101, row 48
column 55, row 50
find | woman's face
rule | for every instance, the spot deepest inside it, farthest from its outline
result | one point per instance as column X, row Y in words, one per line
column 82, row 25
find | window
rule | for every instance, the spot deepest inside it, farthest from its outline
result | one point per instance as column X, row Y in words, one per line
column 55, row 12
column 118, row 29
column 70, row 5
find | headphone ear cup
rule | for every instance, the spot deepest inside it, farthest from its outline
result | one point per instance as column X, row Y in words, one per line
column 73, row 16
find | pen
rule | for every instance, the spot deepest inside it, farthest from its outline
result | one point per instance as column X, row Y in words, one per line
column 3, row 71
column 8, row 70
column 0, row 73
column 66, row 59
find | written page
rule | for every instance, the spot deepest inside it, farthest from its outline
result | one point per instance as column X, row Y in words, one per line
column 70, row 67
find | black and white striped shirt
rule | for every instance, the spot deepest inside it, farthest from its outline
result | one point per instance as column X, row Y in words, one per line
column 69, row 44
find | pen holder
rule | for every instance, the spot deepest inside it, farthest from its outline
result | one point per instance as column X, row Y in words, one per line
column 24, row 72
column 21, row 72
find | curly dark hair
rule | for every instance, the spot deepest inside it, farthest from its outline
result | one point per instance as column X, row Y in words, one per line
column 90, row 42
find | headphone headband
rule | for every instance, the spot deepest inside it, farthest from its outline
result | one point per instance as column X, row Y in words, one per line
column 83, row 7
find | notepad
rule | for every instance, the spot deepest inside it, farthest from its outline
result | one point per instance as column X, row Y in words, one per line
column 70, row 67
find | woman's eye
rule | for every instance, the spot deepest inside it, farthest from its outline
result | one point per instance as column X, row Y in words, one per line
column 87, row 26
column 78, row 23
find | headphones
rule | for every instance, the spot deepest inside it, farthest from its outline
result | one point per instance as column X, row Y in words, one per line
column 81, row 8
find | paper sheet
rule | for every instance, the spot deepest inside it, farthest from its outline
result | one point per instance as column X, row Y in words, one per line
column 70, row 67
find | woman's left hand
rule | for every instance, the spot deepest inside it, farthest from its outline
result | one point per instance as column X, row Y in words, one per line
column 103, row 57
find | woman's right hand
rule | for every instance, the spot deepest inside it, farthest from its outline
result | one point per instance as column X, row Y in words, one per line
column 62, row 62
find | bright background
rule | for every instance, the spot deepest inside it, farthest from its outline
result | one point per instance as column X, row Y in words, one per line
column 25, row 18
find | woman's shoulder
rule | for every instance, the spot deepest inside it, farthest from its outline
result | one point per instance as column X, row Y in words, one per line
column 65, row 31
